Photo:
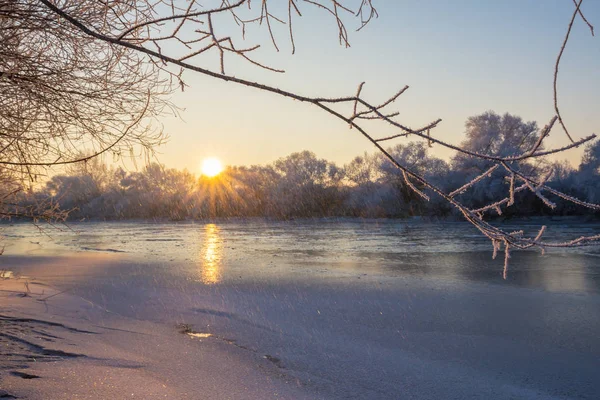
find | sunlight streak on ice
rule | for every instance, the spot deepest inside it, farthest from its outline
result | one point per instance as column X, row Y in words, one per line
column 212, row 253
column 6, row 274
column 199, row 335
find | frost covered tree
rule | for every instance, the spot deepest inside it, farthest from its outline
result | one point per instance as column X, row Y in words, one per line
column 494, row 135
column 307, row 184
column 368, row 195
column 497, row 136
column 415, row 155
column 254, row 187
column 590, row 162
column 364, row 170
column 589, row 172
column 63, row 92
column 305, row 169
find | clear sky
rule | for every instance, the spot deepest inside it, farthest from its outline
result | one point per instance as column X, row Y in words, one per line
column 460, row 58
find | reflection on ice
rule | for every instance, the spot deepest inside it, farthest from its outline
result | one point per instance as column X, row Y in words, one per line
column 572, row 277
column 199, row 335
column 212, row 254
column 6, row 274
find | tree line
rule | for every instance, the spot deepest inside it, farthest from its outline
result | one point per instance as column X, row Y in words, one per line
column 303, row 185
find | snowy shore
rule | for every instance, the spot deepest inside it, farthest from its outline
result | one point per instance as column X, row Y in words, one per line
column 122, row 330
column 56, row 345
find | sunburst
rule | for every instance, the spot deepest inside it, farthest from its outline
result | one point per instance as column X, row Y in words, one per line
column 211, row 167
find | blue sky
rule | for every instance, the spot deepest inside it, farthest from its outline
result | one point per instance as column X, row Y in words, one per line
column 460, row 58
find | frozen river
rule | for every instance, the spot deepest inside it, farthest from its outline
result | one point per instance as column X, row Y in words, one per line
column 256, row 249
column 352, row 308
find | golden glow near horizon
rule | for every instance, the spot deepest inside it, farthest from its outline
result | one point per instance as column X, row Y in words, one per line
column 211, row 167
column 212, row 252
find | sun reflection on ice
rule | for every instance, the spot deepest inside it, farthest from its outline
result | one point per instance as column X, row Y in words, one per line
column 199, row 335
column 212, row 253
column 6, row 274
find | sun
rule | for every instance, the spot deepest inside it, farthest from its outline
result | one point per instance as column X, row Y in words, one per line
column 211, row 167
